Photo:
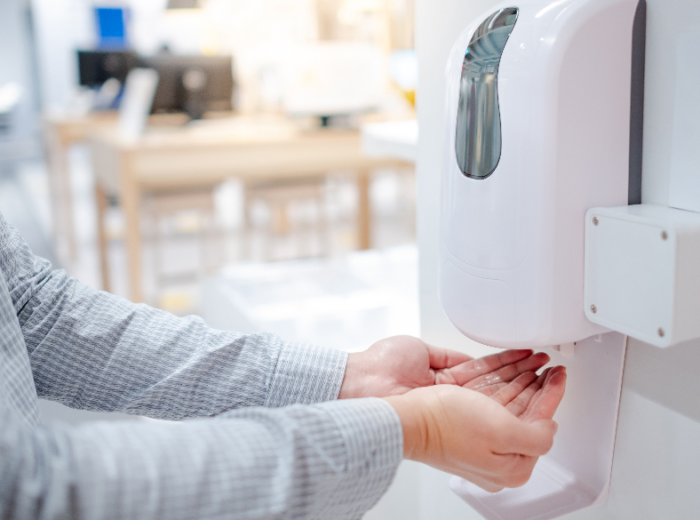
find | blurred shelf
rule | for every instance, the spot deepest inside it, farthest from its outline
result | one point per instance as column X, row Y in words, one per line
column 391, row 139
column 347, row 303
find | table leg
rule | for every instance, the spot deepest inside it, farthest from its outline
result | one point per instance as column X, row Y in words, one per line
column 67, row 196
column 364, row 211
column 131, row 206
column 62, row 203
column 102, row 202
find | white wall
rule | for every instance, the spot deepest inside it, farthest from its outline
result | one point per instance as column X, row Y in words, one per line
column 15, row 67
column 61, row 27
column 656, row 473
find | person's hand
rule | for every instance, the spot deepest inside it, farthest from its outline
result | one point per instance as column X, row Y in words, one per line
column 478, row 437
column 396, row 365
column 531, row 397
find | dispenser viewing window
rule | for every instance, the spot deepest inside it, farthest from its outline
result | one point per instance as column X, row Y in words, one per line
column 478, row 132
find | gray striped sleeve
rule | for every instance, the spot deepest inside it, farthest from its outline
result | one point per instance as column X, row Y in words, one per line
column 92, row 350
column 306, row 374
column 325, row 461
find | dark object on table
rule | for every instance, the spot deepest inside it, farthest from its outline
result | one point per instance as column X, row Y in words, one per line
column 192, row 84
column 96, row 67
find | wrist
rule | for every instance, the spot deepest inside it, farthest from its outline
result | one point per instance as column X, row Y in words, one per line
column 351, row 387
column 413, row 424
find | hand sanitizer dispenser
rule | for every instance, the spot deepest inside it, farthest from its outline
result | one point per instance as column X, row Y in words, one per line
column 544, row 114
column 538, row 131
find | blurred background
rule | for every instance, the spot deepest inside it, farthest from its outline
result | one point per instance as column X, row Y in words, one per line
column 250, row 161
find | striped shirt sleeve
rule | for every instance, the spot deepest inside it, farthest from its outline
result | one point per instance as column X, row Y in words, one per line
column 325, row 461
column 93, row 350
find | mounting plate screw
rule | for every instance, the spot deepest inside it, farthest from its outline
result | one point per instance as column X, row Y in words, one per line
column 664, row 235
column 594, row 309
column 661, row 332
column 595, row 221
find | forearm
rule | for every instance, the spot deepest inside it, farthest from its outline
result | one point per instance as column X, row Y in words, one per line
column 332, row 460
column 93, row 350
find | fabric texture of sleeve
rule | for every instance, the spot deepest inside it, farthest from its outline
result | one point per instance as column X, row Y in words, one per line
column 92, row 350
column 324, row 461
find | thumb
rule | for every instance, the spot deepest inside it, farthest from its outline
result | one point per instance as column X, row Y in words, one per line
column 533, row 439
column 444, row 358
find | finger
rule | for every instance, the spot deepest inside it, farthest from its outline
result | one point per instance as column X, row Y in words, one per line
column 466, row 372
column 486, row 480
column 504, row 470
column 551, row 395
column 445, row 358
column 516, row 469
column 483, row 483
column 510, row 372
column 491, row 390
column 518, row 406
column 514, row 388
column 538, row 394
column 488, row 486
column 532, row 439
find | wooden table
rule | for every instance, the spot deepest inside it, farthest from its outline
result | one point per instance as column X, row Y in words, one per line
column 252, row 149
column 61, row 132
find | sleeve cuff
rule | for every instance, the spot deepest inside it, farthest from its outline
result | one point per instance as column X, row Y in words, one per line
column 329, row 460
column 373, row 439
column 306, row 374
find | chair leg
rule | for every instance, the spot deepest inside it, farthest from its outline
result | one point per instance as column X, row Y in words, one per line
column 103, row 243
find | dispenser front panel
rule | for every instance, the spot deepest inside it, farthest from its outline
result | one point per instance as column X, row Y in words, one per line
column 478, row 133
column 483, row 216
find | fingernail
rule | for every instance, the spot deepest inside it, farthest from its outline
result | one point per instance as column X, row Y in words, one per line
column 555, row 428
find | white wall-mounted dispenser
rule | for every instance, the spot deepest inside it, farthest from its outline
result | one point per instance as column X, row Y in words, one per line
column 538, row 116
column 544, row 121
